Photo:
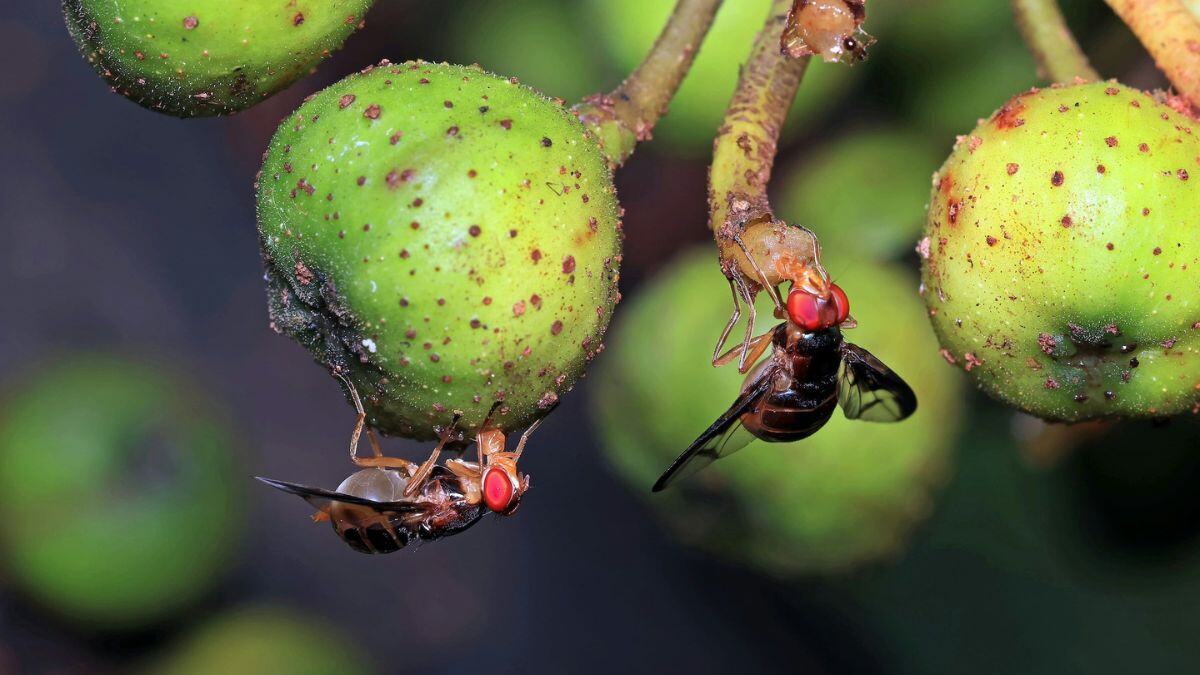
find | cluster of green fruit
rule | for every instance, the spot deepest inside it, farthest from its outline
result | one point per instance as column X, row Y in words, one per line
column 450, row 239
column 136, row 469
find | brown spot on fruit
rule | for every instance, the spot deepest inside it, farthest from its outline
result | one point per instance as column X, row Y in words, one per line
column 568, row 265
column 298, row 19
column 1013, row 168
column 556, row 327
column 474, row 230
column 1056, row 178
column 372, row 112
column 1047, row 343
column 1111, row 141
column 1051, row 383
column 1008, row 116
column 191, row 22
column 345, row 101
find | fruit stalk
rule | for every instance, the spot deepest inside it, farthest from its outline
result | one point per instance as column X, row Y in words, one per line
column 1050, row 40
column 745, row 146
column 1171, row 33
column 626, row 116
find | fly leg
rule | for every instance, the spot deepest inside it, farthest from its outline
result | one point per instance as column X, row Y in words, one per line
column 379, row 460
column 733, row 319
column 757, row 346
column 418, row 477
column 524, row 439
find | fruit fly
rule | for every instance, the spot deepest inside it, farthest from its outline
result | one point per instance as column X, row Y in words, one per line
column 831, row 29
column 392, row 501
column 792, row 394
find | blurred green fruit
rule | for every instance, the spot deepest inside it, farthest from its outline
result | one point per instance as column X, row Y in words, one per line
column 264, row 640
column 1060, row 261
column 1090, row 568
column 849, row 495
column 927, row 29
column 630, row 27
column 447, row 236
column 118, row 486
column 207, row 57
column 825, row 194
column 952, row 98
column 543, row 42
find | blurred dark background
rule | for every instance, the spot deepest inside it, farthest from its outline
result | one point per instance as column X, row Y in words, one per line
column 131, row 234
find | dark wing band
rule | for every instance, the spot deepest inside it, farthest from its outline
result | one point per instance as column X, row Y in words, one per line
column 724, row 437
column 869, row 390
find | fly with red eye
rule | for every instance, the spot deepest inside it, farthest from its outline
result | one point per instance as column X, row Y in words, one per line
column 391, row 501
column 793, row 392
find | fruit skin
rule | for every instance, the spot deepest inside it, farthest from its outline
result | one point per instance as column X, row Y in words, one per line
column 119, row 489
column 847, row 496
column 449, row 237
column 207, row 57
column 1063, row 224
column 263, row 640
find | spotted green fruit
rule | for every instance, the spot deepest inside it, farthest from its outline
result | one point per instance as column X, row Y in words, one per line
column 208, row 57
column 849, row 495
column 448, row 236
column 119, row 489
column 1061, row 257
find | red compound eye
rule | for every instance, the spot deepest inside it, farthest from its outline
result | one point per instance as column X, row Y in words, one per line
column 840, row 302
column 805, row 310
column 813, row 313
column 497, row 490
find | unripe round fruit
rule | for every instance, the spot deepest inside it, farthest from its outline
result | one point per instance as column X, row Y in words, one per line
column 118, row 491
column 849, row 495
column 264, row 640
column 207, row 57
column 448, row 236
column 1061, row 257
column 825, row 194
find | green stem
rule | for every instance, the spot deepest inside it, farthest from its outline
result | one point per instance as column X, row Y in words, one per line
column 743, row 156
column 1046, row 32
column 1170, row 31
column 628, row 114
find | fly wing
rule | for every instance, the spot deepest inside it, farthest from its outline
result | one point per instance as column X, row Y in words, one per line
column 724, row 437
column 869, row 390
column 321, row 499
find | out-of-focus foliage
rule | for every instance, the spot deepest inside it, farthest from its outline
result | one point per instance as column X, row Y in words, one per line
column 826, row 192
column 1093, row 567
column 848, row 495
column 541, row 42
column 263, row 640
column 629, row 28
column 118, row 490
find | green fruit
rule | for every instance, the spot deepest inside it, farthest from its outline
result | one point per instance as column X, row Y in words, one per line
column 848, row 495
column 1060, row 262
column 825, row 194
column 448, row 236
column 208, row 57
column 263, row 640
column 119, row 492
column 953, row 97
column 629, row 28
column 1090, row 568
column 539, row 40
